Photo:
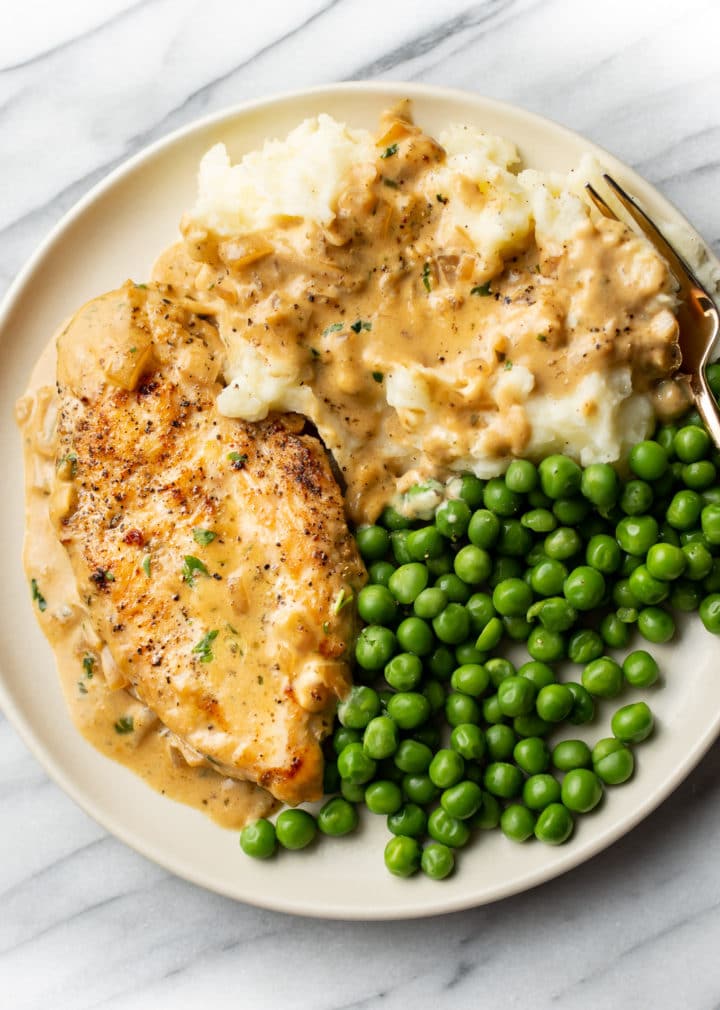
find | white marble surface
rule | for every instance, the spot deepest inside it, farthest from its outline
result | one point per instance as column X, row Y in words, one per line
column 84, row 922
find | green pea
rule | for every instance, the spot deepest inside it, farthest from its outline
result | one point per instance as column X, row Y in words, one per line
column 503, row 779
column 402, row 856
column 516, row 696
column 391, row 519
column 374, row 647
column 491, row 712
column 710, row 519
column 413, row 757
column 514, row 541
column 383, row 797
column 684, row 510
column 516, row 628
column 499, row 668
column 447, row 830
column 379, row 572
column 491, row 635
column 460, row 708
column 692, row 444
column 615, row 632
column 380, row 739
column 613, row 761
column 419, row 789
column 698, row 561
column 547, row 577
column 373, row 542
column 581, row 790
column 360, row 706
column 355, row 765
column 559, row 476
column 534, row 557
column 600, row 484
column 484, row 528
column 711, row 584
column 569, row 754
column 623, row 595
column 603, row 678
column 452, row 625
column 531, row 755
column 554, row 702
column 442, row 565
column 512, row 597
column 462, row 800
column 344, row 736
column 505, row 568
column 408, row 581
column 637, row 534
column 539, row 673
column 415, row 635
column 427, row 542
column 665, row 561
column 488, row 816
column 258, row 839
column 404, row 671
column 584, row 588
column 539, row 791
column 441, row 662
column 584, row 646
column 498, row 498
column 656, row 625
column 633, row 723
column 351, row 791
column 295, row 829
column 571, row 511
column 539, row 521
column 472, row 679
column 409, row 819
column 546, row 646
column 699, row 476
column 409, row 709
column 710, row 613
column 472, row 564
column 521, row 476
column 712, row 373
column 471, row 490
column 481, row 610
column 583, row 709
column 603, row 553
column 531, row 725
column 562, row 543
column 665, row 436
column 468, row 740
column 648, row 460
column 398, row 544
column 647, row 589
column 437, row 861
column 637, row 497
column 554, row 613
column 337, row 817
column 435, row 694
column 500, row 740
column 517, row 822
column 554, row 825
column 685, row 596
column 376, row 605
column 429, row 603
column 446, row 768
column 452, row 518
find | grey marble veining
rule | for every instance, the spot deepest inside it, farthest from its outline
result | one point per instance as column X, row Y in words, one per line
column 84, row 921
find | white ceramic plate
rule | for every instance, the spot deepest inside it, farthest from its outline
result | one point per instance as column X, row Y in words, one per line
column 115, row 233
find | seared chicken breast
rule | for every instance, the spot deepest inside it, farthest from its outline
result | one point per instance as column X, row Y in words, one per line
column 213, row 555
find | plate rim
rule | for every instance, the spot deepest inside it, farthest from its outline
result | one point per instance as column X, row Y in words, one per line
column 336, row 911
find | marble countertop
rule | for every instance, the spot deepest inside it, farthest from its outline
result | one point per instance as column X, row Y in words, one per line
column 84, row 921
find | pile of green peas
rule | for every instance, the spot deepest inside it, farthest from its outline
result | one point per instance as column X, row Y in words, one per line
column 443, row 734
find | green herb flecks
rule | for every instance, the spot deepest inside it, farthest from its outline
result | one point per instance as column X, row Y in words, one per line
column 204, row 647
column 89, row 665
column 389, row 182
column 440, row 198
column 147, row 565
column 38, row 596
column 426, row 277
column 389, row 151
column 192, row 566
column 81, row 687
column 481, row 289
column 344, row 597
column 67, row 466
column 542, row 338
column 361, row 324
column 508, row 365
column 238, row 460
column 332, row 328
column 203, row 537
column 124, row 724
column 378, row 376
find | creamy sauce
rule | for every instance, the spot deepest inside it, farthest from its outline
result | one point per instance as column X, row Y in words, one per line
column 388, row 287
column 102, row 710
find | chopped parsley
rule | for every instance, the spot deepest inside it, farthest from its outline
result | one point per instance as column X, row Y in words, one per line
column 142, row 286
column 124, row 724
column 508, row 365
column 481, row 289
column 238, row 459
column 378, row 376
column 389, row 182
column 68, row 463
column 426, row 276
column 88, row 664
column 147, row 565
column 204, row 647
column 38, row 596
column 360, row 324
column 203, row 537
column 542, row 338
column 191, row 567
column 81, row 687
column 343, row 598
column 326, row 627
column 389, row 151
column 440, row 198
column 332, row 328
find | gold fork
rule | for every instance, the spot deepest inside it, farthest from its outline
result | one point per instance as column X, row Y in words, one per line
column 697, row 313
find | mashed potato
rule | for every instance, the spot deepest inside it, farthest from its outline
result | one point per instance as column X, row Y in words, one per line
column 430, row 307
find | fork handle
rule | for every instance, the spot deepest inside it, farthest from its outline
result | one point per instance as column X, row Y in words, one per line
column 707, row 406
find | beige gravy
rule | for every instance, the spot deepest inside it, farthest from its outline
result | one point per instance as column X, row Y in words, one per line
column 109, row 717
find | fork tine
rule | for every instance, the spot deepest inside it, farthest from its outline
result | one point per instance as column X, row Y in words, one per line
column 679, row 267
column 604, row 209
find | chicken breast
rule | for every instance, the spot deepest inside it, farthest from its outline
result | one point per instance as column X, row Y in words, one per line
column 213, row 555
